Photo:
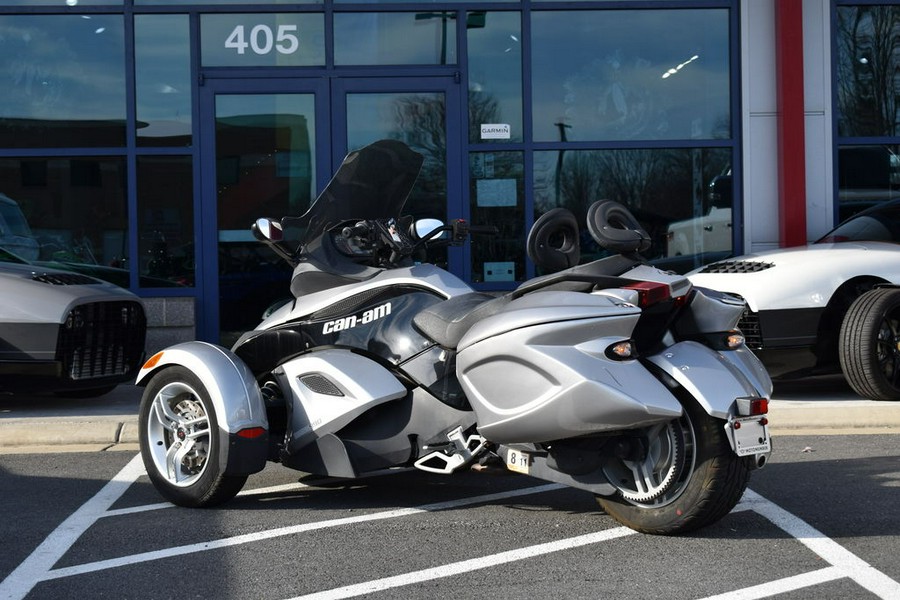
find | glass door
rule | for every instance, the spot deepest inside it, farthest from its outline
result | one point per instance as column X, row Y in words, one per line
column 261, row 157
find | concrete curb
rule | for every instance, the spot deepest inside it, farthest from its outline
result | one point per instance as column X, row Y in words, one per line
column 68, row 431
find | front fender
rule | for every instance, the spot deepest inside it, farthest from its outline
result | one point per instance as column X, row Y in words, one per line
column 714, row 378
column 232, row 387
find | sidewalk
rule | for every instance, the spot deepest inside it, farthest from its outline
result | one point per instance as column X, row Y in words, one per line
column 806, row 407
column 60, row 424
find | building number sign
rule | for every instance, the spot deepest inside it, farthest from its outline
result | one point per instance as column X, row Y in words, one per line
column 261, row 39
column 276, row 40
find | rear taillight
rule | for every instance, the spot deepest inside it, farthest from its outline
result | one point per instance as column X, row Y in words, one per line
column 653, row 292
column 650, row 292
column 751, row 407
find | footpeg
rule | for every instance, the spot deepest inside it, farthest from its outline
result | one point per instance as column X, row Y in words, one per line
column 464, row 451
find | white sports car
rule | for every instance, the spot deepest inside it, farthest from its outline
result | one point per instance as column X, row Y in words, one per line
column 827, row 307
column 65, row 332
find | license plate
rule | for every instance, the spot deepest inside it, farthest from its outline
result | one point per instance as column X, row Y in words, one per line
column 518, row 461
column 750, row 436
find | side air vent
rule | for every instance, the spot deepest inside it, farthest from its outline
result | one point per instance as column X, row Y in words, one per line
column 64, row 279
column 320, row 384
column 737, row 266
column 749, row 326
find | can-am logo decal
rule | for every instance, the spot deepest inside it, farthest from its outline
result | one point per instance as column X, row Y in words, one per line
column 373, row 314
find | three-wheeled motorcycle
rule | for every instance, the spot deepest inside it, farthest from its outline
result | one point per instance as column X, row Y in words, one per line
column 613, row 377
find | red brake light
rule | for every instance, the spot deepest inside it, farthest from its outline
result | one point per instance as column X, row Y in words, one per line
column 650, row 292
column 759, row 406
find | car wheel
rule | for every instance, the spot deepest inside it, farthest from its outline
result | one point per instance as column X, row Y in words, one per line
column 868, row 345
column 180, row 442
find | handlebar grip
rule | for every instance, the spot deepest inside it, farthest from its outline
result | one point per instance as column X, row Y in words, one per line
column 483, row 229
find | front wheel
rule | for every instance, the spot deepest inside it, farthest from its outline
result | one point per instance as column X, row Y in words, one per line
column 685, row 478
column 869, row 344
column 179, row 438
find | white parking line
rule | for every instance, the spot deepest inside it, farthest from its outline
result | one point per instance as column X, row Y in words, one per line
column 467, row 566
column 39, row 565
column 782, row 586
column 35, row 568
column 851, row 565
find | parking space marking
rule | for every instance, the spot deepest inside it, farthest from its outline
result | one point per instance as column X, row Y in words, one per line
column 38, row 566
column 467, row 566
column 851, row 565
column 290, row 530
column 782, row 586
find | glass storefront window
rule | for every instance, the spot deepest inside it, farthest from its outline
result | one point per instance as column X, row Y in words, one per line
column 162, row 54
column 75, row 210
column 63, row 80
column 631, row 74
column 867, row 175
column 682, row 196
column 497, row 192
column 262, row 40
column 424, row 38
column 265, row 166
column 494, row 42
column 868, row 70
column 165, row 221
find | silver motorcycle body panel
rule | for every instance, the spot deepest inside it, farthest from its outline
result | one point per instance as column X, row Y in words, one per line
column 426, row 276
column 715, row 379
column 231, row 385
column 539, row 370
column 330, row 388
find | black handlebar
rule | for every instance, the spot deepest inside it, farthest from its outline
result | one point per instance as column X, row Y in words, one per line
column 461, row 230
column 361, row 229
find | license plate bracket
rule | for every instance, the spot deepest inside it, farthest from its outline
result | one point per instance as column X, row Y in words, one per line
column 750, row 435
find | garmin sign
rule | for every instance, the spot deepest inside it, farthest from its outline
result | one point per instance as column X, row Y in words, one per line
column 495, row 131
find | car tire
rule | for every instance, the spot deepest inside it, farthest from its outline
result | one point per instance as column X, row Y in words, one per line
column 868, row 344
column 180, row 441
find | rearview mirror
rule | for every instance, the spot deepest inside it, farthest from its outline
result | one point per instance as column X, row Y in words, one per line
column 267, row 230
column 423, row 227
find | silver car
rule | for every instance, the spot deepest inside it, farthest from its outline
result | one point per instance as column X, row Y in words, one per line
column 66, row 333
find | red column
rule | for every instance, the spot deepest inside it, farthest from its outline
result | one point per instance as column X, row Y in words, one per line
column 791, row 122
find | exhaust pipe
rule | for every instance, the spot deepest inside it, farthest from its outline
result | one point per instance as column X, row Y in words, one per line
column 758, row 461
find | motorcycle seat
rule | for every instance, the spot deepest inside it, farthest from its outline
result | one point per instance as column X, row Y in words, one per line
column 446, row 322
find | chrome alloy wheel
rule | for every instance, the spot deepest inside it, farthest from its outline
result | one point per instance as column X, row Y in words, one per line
column 887, row 346
column 178, row 433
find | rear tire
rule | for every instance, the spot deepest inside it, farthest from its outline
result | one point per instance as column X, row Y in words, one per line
column 180, row 443
column 691, row 478
column 868, row 344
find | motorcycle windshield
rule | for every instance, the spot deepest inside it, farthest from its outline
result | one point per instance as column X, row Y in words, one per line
column 372, row 183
